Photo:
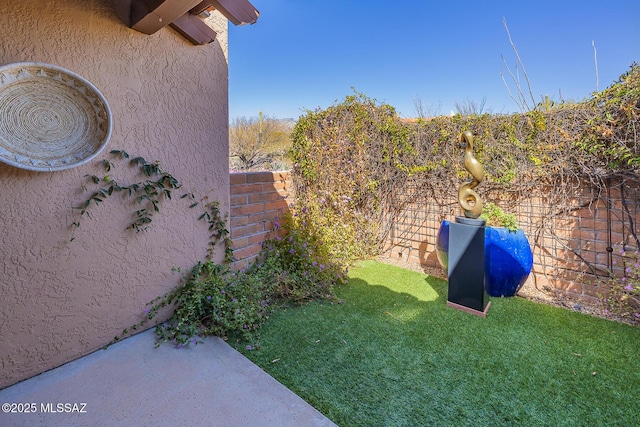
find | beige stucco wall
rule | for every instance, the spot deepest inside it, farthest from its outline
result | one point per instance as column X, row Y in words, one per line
column 61, row 299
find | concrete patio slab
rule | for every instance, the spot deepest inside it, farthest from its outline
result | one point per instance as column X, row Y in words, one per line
column 134, row 384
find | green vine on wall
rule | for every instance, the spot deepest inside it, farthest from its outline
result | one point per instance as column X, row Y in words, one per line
column 367, row 169
column 148, row 193
column 187, row 320
column 212, row 299
column 218, row 230
column 191, row 304
column 352, row 158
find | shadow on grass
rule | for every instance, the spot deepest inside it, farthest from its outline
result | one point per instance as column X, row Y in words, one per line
column 394, row 354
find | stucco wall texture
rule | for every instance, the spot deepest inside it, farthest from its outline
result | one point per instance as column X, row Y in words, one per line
column 62, row 298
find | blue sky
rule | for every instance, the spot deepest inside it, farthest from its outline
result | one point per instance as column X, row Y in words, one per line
column 305, row 54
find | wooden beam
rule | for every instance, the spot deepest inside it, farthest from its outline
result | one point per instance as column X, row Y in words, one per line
column 148, row 16
column 201, row 7
column 240, row 12
column 193, row 29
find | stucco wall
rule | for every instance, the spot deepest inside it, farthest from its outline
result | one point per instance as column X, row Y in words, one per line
column 63, row 298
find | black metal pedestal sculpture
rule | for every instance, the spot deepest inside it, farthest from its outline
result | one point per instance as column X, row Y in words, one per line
column 466, row 243
column 466, row 266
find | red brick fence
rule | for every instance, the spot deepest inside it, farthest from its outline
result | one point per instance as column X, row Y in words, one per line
column 573, row 242
column 257, row 198
column 569, row 250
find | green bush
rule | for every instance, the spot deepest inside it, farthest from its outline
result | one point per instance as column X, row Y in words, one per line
column 344, row 158
column 296, row 265
column 351, row 158
column 496, row 217
column 213, row 301
column 293, row 267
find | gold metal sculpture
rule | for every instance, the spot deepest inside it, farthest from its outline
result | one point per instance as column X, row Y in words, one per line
column 469, row 200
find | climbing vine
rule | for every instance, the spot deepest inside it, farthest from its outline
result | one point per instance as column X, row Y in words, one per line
column 148, row 193
column 218, row 231
column 359, row 164
column 359, row 150
column 212, row 299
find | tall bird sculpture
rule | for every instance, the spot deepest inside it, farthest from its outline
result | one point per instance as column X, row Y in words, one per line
column 469, row 200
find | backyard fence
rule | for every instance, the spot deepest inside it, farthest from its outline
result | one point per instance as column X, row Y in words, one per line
column 257, row 199
column 575, row 239
column 575, row 242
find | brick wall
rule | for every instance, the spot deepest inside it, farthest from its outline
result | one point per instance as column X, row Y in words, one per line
column 569, row 250
column 575, row 239
column 257, row 198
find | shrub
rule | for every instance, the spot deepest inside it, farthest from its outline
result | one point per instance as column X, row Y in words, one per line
column 335, row 152
column 623, row 298
column 496, row 217
column 296, row 265
column 351, row 159
column 213, row 301
column 293, row 267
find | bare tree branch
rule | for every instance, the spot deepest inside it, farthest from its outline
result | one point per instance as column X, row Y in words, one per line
column 424, row 110
column 470, row 107
column 595, row 60
column 521, row 101
column 519, row 62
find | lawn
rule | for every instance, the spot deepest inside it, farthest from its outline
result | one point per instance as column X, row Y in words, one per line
column 392, row 353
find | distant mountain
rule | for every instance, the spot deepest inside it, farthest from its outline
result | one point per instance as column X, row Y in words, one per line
column 288, row 122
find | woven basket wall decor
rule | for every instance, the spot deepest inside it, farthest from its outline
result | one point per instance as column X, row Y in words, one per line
column 50, row 118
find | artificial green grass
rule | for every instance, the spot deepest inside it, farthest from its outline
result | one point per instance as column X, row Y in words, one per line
column 394, row 354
